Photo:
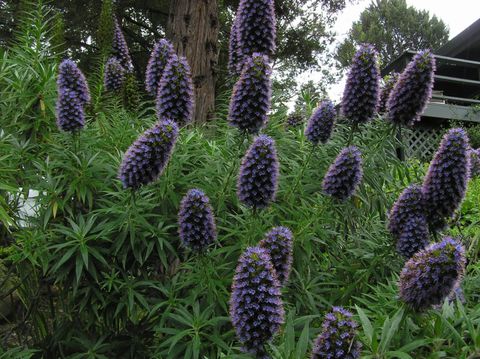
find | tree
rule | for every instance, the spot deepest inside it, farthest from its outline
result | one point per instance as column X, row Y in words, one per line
column 393, row 27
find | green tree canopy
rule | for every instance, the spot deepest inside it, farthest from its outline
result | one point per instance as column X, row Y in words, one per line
column 393, row 27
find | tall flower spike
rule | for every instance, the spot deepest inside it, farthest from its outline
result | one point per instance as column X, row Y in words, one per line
column 338, row 337
column 256, row 307
column 70, row 112
column 233, row 48
column 71, row 79
column 414, row 236
column 320, row 125
column 175, row 91
column 446, row 181
column 148, row 156
column 430, row 275
column 196, row 222
column 474, row 162
column 389, row 83
column 257, row 180
column 362, row 90
column 279, row 244
column 294, row 120
column 120, row 48
column 156, row 64
column 251, row 97
column 411, row 93
column 409, row 203
column 344, row 174
column 256, row 29
column 114, row 76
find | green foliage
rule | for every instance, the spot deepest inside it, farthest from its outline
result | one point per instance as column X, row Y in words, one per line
column 105, row 29
column 393, row 27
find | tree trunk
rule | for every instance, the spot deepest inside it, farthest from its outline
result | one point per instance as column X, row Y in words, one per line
column 193, row 30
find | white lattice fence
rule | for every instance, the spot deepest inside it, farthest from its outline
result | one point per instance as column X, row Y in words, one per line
column 421, row 142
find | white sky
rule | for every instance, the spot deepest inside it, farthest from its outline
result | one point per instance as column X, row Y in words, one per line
column 457, row 14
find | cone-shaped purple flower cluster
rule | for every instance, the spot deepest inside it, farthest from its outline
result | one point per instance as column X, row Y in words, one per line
column 413, row 90
column 147, row 157
column 279, row 244
column 233, row 49
column 344, row 174
column 362, row 90
column 251, row 95
column 409, row 203
column 474, row 162
column 320, row 125
column 338, row 337
column 386, row 90
column 175, row 91
column 431, row 274
column 159, row 57
column 70, row 78
column 256, row 307
column 414, row 236
column 120, row 48
column 114, row 75
column 73, row 95
column 196, row 222
column 445, row 184
column 294, row 120
column 256, row 27
column 257, row 180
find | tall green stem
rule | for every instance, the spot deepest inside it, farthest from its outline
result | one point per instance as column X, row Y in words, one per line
column 302, row 171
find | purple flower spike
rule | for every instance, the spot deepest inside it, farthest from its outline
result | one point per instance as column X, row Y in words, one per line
column 294, row 120
column 279, row 244
column 474, row 162
column 70, row 112
column 446, row 181
column 409, row 203
column 161, row 53
column 338, row 337
column 196, row 222
column 430, row 275
column 148, row 156
column 389, row 83
column 344, row 174
column 412, row 91
column 414, row 236
column 362, row 90
column 114, row 75
column 320, row 125
column 175, row 92
column 71, row 79
column 257, row 180
column 120, row 48
column 233, row 48
column 256, row 307
column 251, row 97
column 256, row 26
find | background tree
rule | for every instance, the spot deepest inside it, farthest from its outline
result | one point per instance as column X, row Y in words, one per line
column 393, row 27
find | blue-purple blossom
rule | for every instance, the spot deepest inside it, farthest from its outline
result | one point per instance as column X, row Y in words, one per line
column 71, row 79
column 251, row 97
column 430, row 275
column 386, row 89
column 256, row 27
column 175, row 98
column 294, row 120
column 258, row 176
column 412, row 91
column 337, row 339
column 148, row 156
column 159, row 57
column 344, row 174
column 474, row 162
column 120, row 48
column 279, row 244
column 114, row 75
column 320, row 125
column 409, row 203
column 446, row 181
column 233, row 49
column 414, row 236
column 70, row 112
column 362, row 90
column 256, row 307
column 196, row 221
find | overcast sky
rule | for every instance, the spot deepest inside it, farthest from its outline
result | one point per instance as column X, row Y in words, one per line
column 457, row 14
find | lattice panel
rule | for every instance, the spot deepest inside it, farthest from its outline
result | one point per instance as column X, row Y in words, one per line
column 421, row 142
